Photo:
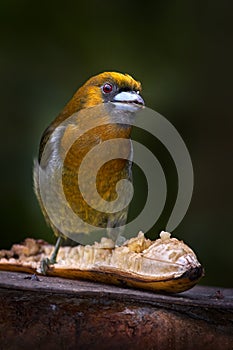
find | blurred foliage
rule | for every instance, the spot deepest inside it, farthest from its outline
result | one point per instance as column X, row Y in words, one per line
column 181, row 52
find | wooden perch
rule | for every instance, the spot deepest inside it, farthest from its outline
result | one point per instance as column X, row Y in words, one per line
column 55, row 313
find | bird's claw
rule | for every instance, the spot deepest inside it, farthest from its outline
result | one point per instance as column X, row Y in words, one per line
column 46, row 262
column 44, row 265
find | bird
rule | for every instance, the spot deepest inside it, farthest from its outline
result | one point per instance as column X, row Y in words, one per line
column 99, row 100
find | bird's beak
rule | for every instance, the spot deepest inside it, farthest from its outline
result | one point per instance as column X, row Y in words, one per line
column 129, row 97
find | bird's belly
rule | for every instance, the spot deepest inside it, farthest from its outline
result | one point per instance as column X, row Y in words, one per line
column 107, row 178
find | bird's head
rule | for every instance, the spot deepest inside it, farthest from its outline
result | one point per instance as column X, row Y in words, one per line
column 117, row 88
column 120, row 89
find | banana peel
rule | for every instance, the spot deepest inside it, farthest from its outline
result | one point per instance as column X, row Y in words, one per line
column 164, row 265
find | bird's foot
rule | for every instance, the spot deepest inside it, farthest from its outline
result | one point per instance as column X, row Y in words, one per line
column 120, row 240
column 45, row 264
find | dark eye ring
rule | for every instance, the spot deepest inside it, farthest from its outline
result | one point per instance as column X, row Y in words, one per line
column 107, row 88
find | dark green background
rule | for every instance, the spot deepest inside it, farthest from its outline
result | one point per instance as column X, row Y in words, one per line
column 180, row 51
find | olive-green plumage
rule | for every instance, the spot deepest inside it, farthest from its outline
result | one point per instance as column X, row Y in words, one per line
column 101, row 90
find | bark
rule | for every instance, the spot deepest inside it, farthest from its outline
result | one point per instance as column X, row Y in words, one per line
column 56, row 313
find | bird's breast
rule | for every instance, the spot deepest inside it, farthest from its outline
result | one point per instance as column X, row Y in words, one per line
column 108, row 174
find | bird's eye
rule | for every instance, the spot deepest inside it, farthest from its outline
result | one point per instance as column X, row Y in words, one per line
column 107, row 88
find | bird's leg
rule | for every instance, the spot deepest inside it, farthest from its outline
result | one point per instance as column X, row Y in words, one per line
column 120, row 240
column 116, row 235
column 55, row 251
column 45, row 263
